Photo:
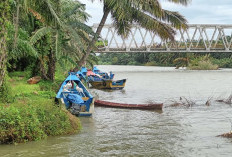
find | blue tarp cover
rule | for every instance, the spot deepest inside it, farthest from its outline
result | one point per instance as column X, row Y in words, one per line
column 84, row 69
column 95, row 69
column 74, row 98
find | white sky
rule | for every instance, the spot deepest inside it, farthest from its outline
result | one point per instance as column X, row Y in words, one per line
column 198, row 12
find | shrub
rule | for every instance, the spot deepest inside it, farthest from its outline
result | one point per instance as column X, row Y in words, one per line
column 181, row 62
column 21, row 123
column 6, row 95
column 223, row 63
column 152, row 63
column 203, row 65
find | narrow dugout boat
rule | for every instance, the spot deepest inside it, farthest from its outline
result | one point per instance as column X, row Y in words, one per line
column 75, row 96
column 156, row 106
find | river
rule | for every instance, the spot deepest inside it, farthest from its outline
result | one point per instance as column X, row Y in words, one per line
column 177, row 131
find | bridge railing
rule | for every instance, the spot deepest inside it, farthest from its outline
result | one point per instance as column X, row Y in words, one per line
column 198, row 38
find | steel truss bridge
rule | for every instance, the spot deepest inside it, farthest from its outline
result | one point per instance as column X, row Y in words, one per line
column 198, row 38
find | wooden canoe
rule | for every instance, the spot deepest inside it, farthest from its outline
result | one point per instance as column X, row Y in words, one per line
column 157, row 106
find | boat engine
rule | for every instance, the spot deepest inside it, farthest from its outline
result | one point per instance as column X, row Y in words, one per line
column 75, row 109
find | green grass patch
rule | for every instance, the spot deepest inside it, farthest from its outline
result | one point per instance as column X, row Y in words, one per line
column 28, row 112
column 22, row 123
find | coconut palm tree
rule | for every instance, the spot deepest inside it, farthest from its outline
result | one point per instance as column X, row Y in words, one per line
column 147, row 13
column 68, row 31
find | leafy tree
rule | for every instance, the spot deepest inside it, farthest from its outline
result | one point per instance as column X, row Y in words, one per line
column 62, row 25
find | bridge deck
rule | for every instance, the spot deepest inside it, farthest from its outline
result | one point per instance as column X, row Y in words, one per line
column 198, row 38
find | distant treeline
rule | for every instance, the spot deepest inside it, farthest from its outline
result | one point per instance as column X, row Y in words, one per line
column 222, row 60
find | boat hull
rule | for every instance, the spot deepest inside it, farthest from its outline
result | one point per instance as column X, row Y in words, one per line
column 88, row 113
column 108, row 84
column 157, row 106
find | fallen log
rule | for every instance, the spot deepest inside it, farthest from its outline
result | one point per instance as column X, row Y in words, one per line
column 34, row 80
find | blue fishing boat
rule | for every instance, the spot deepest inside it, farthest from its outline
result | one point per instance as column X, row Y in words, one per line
column 75, row 96
column 104, row 75
column 83, row 71
column 101, row 80
column 104, row 81
column 100, row 83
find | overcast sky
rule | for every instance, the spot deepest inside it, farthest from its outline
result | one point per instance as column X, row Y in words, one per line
column 197, row 12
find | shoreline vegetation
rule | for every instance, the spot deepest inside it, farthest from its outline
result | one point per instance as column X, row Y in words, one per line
column 192, row 61
column 29, row 112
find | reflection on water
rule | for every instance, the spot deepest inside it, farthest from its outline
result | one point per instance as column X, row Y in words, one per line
column 177, row 131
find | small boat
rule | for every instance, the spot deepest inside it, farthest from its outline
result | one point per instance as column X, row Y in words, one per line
column 104, row 75
column 100, row 83
column 101, row 80
column 156, row 106
column 75, row 96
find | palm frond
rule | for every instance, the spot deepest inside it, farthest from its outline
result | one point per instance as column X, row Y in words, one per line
column 74, row 8
column 82, row 26
column 175, row 19
column 162, row 29
column 73, row 34
column 84, row 36
column 27, row 47
column 92, row 60
column 57, row 44
column 39, row 34
column 53, row 13
column 67, row 59
column 183, row 2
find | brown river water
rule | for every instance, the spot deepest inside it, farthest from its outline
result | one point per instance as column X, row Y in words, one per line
column 178, row 131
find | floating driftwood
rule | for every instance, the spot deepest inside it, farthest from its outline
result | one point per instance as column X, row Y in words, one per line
column 183, row 102
column 226, row 101
column 227, row 135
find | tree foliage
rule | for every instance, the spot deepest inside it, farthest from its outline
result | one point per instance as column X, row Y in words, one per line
column 148, row 14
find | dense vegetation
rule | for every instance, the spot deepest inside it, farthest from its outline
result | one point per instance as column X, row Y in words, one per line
column 37, row 37
column 196, row 61
column 29, row 112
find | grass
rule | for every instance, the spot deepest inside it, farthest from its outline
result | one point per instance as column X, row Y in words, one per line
column 28, row 112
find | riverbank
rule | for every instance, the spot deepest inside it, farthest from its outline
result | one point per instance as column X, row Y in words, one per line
column 29, row 112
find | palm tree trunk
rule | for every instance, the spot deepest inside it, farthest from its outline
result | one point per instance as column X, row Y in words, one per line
column 42, row 69
column 16, row 25
column 52, row 58
column 3, row 55
column 51, row 66
column 91, row 44
column 4, row 14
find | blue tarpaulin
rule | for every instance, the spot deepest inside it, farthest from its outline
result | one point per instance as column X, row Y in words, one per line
column 74, row 98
